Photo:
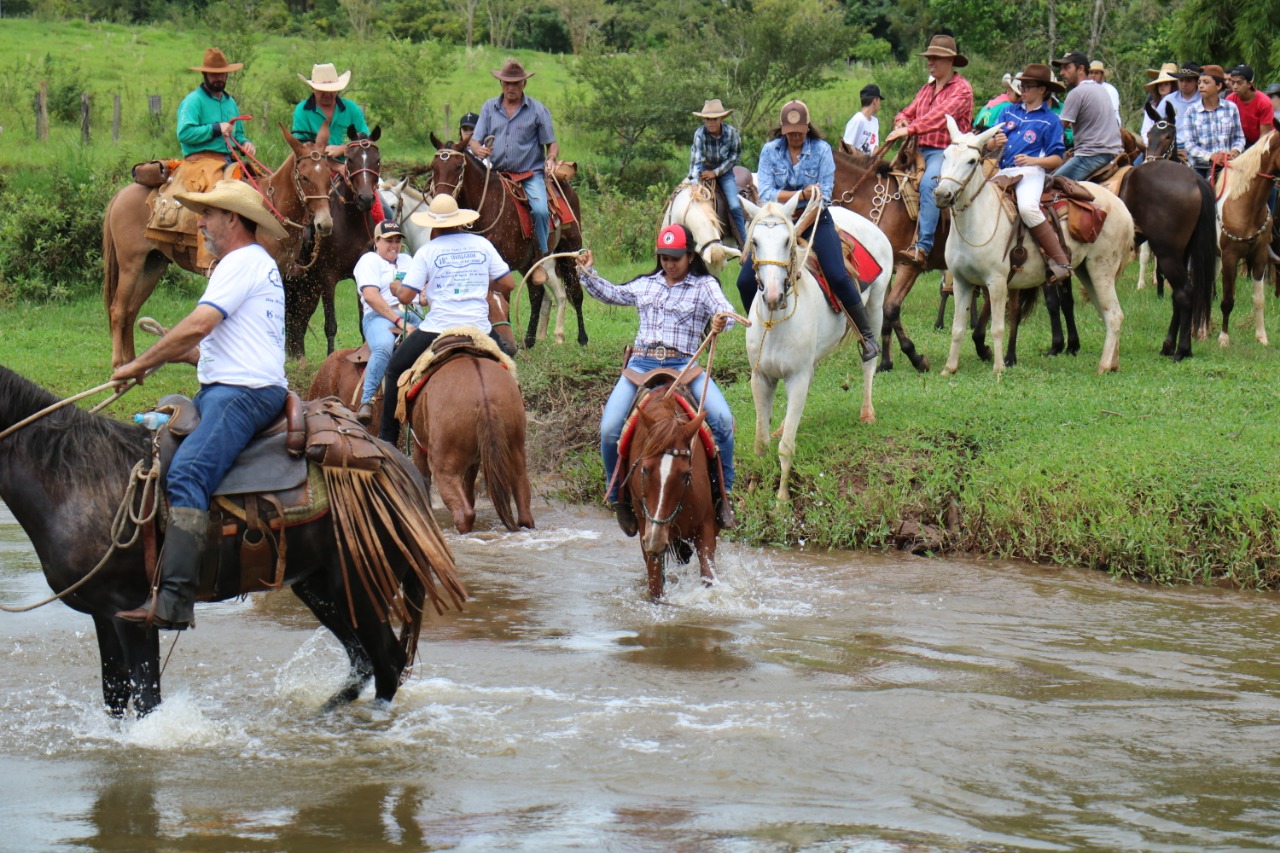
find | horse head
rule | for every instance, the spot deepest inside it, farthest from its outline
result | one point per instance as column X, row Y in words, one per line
column 771, row 243
column 389, row 194
column 448, row 168
column 1162, row 137
column 663, row 472
column 312, row 172
column 694, row 206
column 960, row 161
column 500, row 319
column 364, row 162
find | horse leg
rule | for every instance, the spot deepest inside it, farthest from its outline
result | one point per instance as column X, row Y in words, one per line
column 763, row 389
column 980, row 325
column 998, row 296
column 655, row 573
column 1258, row 267
column 572, row 286
column 138, row 277
column 536, row 293
column 868, row 413
column 453, row 491
column 523, row 492
column 1144, row 257
column 797, row 393
column 1177, row 341
column 139, row 650
column 1015, row 310
column 318, row 595
column 706, row 542
column 556, row 287
column 1229, row 269
column 904, row 279
column 330, row 316
column 300, row 301
column 1052, row 304
column 940, row 321
column 963, row 292
column 1067, row 299
column 1103, row 294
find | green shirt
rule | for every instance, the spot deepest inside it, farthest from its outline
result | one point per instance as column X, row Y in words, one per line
column 199, row 117
column 307, row 120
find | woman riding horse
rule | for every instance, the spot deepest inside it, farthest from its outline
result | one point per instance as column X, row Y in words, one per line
column 675, row 301
column 798, row 161
column 378, row 275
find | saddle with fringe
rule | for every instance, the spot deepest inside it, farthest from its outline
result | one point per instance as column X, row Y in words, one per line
column 170, row 223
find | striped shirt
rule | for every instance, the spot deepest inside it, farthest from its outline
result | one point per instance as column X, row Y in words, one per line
column 717, row 154
column 670, row 315
column 1203, row 132
column 518, row 139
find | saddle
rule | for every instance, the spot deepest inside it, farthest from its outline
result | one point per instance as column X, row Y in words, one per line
column 1062, row 198
column 451, row 344
column 557, row 205
column 657, row 380
column 859, row 263
column 170, row 223
column 746, row 189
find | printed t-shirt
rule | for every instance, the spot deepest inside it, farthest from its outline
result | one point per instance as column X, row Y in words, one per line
column 247, row 347
column 372, row 270
column 453, row 272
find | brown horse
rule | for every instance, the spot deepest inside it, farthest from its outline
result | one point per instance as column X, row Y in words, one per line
column 1242, row 190
column 476, row 186
column 469, row 418
column 332, row 258
column 669, row 485
column 132, row 263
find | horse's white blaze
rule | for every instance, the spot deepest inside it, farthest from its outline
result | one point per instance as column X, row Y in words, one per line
column 664, row 477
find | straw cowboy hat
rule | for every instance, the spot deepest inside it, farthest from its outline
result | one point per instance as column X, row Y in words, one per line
column 512, row 72
column 443, row 212
column 1037, row 73
column 944, row 47
column 216, row 63
column 713, row 109
column 237, row 197
column 1164, row 75
column 325, row 78
column 1097, row 65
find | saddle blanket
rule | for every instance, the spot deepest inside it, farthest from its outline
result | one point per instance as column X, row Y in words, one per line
column 557, row 205
column 857, row 260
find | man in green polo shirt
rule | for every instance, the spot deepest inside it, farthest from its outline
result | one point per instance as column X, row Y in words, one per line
column 324, row 104
column 205, row 116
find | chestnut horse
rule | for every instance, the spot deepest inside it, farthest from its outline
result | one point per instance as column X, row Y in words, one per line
column 469, row 180
column 469, row 418
column 669, row 485
column 132, row 263
column 332, row 258
column 1242, row 190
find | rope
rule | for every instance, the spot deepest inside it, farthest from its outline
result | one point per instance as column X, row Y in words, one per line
column 120, row 392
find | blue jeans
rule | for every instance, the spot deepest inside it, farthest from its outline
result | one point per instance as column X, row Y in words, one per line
column 535, row 187
column 230, row 416
column 380, row 334
column 719, row 418
column 830, row 254
column 929, row 215
column 729, row 186
column 1079, row 168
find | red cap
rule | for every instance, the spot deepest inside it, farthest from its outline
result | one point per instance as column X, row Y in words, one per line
column 673, row 241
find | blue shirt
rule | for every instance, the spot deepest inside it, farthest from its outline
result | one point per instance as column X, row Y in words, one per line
column 1036, row 133
column 518, row 139
column 776, row 171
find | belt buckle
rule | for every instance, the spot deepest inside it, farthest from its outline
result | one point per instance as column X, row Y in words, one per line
column 660, row 352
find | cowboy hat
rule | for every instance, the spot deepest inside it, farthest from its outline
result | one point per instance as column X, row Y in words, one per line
column 1169, row 68
column 443, row 212
column 1042, row 74
column 325, row 78
column 237, row 197
column 1188, row 69
column 512, row 72
column 1164, row 75
column 944, row 47
column 216, row 63
column 1097, row 65
column 713, row 109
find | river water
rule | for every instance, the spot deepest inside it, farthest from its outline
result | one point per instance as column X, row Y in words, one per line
column 811, row 701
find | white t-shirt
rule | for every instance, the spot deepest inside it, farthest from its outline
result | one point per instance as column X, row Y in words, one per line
column 863, row 133
column 1115, row 101
column 372, row 270
column 453, row 272
column 247, row 347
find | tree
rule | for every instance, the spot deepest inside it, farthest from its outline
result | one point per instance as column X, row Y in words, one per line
column 1247, row 34
column 581, row 18
column 504, row 16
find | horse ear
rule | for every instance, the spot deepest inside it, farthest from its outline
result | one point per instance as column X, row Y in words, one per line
column 376, row 134
column 790, row 207
column 986, row 135
column 691, row 428
column 298, row 148
column 752, row 209
column 322, row 137
column 1150, row 111
column 954, row 128
column 435, row 140
column 1170, row 114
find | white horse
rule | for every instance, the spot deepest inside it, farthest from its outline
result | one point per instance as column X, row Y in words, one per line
column 978, row 250
column 793, row 327
column 399, row 202
column 693, row 206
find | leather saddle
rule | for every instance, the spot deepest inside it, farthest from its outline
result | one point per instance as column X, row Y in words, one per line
column 1061, row 198
column 558, row 207
column 170, row 223
column 746, row 189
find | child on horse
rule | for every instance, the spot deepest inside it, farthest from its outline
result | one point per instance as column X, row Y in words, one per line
column 717, row 148
column 675, row 301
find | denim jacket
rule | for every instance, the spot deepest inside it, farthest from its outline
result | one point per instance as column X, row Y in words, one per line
column 776, row 171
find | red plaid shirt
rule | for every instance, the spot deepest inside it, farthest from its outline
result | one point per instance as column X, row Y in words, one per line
column 926, row 116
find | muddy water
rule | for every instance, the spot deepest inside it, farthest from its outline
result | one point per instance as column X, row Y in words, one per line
column 831, row 701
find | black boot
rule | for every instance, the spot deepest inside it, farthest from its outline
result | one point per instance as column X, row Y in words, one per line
column 858, row 313
column 178, row 573
column 626, row 517
column 725, row 519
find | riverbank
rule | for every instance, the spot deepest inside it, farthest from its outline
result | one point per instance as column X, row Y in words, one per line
column 1162, row 472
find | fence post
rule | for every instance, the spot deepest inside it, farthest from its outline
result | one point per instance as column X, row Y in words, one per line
column 84, row 117
column 42, row 112
column 448, row 123
column 115, row 120
column 153, row 105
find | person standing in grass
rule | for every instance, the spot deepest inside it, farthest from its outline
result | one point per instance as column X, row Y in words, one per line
column 862, row 133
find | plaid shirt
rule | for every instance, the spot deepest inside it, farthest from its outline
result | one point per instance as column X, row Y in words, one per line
column 670, row 315
column 717, row 154
column 1203, row 132
column 926, row 115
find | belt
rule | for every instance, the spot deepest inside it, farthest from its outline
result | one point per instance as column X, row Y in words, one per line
column 660, row 352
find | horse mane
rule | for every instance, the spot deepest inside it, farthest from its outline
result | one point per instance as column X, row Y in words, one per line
column 703, row 198
column 662, row 433
column 1246, row 167
column 69, row 444
column 861, row 160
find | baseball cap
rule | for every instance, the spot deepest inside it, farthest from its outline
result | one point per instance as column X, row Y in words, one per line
column 871, row 90
column 795, row 116
column 673, row 241
column 468, row 120
column 387, row 228
column 1273, row 89
column 1242, row 71
column 1072, row 57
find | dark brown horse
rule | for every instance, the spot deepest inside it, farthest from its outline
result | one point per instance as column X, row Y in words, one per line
column 65, row 475
column 331, row 259
column 132, row 263
column 668, row 483
column 479, row 188
column 469, row 418
column 1243, row 189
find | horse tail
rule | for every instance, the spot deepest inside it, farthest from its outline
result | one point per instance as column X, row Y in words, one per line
column 1027, row 304
column 1204, row 254
column 497, row 453
column 415, row 596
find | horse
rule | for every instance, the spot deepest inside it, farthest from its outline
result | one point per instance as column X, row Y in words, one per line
column 469, row 418
column 669, row 485
column 63, row 476
column 693, row 205
column 792, row 324
column 471, row 181
column 132, row 263
column 400, row 201
column 332, row 258
column 975, row 259
column 1242, row 190
column 1162, row 144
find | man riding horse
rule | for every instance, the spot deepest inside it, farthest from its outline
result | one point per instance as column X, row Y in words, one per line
column 235, row 337
column 205, row 116
column 1088, row 112
column 515, row 132
column 345, row 118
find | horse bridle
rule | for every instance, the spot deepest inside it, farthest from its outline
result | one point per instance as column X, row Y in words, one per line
column 789, row 265
column 1172, row 147
column 444, row 154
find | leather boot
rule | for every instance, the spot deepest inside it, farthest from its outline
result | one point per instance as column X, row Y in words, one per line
column 858, row 314
column 626, row 517
column 178, row 573
column 365, row 414
column 1058, row 263
column 725, row 518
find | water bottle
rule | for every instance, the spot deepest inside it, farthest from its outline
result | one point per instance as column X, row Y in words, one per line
column 151, row 420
